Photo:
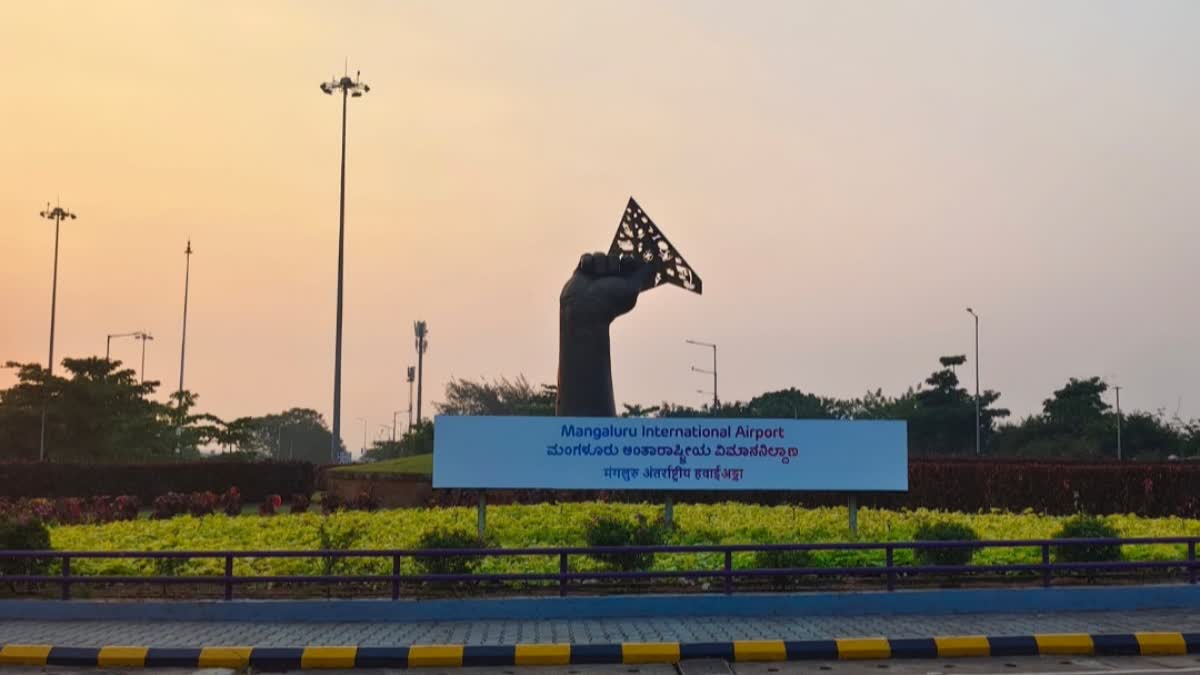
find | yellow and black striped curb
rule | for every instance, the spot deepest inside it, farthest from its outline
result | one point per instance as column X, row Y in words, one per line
column 286, row 658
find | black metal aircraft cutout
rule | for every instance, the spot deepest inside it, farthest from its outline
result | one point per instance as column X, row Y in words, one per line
column 639, row 237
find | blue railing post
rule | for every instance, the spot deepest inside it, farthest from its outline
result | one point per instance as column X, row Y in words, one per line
column 228, row 577
column 1046, row 565
column 66, row 575
column 395, row 577
column 562, row 573
column 728, row 572
column 891, row 570
column 1192, row 562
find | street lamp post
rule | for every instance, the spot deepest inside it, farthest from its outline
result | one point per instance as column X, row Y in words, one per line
column 108, row 342
column 57, row 214
column 143, row 336
column 978, row 426
column 364, row 443
column 349, row 88
column 394, row 413
column 716, row 400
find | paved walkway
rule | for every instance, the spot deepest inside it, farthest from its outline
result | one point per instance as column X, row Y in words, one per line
column 585, row 631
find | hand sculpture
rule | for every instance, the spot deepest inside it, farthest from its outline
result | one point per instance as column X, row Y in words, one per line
column 602, row 288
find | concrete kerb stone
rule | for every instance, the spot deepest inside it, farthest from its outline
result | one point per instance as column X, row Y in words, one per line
column 451, row 656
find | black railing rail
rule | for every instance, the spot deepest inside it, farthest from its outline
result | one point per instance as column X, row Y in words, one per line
column 889, row 570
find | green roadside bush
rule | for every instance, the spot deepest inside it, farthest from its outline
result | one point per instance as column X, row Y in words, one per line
column 449, row 538
column 614, row 531
column 781, row 560
column 1087, row 527
column 24, row 534
column 944, row 530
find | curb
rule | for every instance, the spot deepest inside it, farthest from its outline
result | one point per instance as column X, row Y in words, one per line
column 416, row 656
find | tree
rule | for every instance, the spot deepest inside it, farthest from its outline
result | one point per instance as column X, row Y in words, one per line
column 98, row 412
column 794, row 404
column 635, row 410
column 298, row 434
column 943, row 417
column 192, row 431
column 499, row 397
column 1078, row 407
column 416, row 441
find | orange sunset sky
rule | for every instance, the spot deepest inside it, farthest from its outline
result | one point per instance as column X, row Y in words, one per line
column 846, row 177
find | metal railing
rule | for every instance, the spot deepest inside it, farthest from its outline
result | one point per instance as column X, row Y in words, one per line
column 889, row 572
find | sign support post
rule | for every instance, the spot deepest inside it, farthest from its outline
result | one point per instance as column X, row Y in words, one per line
column 481, row 515
column 852, row 508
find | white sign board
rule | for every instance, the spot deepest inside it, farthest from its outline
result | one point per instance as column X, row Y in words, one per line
column 590, row 453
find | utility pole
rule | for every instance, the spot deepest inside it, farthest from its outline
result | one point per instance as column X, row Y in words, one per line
column 716, row 404
column 349, row 88
column 412, row 376
column 143, row 336
column 187, row 277
column 978, row 425
column 1118, row 390
column 422, row 333
column 57, row 214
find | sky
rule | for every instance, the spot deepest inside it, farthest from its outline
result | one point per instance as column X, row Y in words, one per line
column 846, row 177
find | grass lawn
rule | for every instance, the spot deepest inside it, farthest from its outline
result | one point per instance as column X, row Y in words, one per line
column 420, row 464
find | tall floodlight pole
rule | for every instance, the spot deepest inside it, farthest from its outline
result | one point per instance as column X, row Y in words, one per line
column 187, row 277
column 422, row 333
column 143, row 336
column 350, row 89
column 412, row 376
column 1118, row 390
column 716, row 401
column 978, row 426
column 57, row 214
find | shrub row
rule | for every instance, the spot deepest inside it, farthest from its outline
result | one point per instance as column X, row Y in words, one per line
column 148, row 481
column 1058, row 488
column 616, row 531
column 71, row 510
column 103, row 509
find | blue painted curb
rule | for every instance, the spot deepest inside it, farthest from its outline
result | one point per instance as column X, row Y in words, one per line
column 926, row 602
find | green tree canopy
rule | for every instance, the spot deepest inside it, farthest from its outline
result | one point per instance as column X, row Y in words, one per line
column 1078, row 407
column 416, row 441
column 97, row 412
column 498, row 397
column 298, row 434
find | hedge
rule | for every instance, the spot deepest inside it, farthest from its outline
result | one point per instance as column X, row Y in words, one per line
column 1056, row 488
column 255, row 480
column 1059, row 488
